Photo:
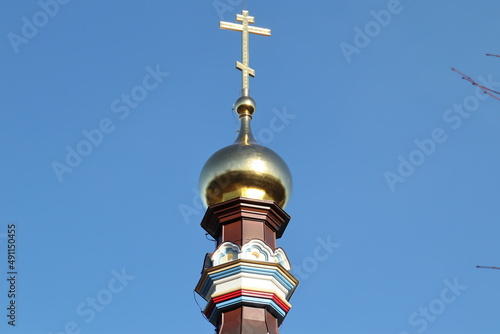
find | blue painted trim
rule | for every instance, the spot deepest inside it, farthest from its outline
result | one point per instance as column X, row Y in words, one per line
column 246, row 269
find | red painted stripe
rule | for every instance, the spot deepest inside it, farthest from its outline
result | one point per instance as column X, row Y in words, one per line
column 280, row 303
column 227, row 296
column 251, row 293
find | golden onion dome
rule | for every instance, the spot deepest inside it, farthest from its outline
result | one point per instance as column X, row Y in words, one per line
column 245, row 168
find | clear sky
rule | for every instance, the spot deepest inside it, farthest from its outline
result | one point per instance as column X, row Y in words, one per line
column 109, row 109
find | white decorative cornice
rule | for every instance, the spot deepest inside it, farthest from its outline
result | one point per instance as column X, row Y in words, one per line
column 252, row 283
column 254, row 250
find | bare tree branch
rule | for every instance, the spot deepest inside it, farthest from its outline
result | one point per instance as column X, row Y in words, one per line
column 483, row 267
column 485, row 90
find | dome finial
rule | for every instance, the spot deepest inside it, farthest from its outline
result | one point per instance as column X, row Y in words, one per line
column 244, row 66
column 245, row 106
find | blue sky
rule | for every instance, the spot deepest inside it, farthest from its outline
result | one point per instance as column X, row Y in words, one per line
column 395, row 160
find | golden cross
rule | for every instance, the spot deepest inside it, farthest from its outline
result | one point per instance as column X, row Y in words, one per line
column 245, row 29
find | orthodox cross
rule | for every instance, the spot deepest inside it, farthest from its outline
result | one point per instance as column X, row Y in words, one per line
column 245, row 29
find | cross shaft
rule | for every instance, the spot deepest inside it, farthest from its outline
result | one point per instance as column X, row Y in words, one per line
column 244, row 65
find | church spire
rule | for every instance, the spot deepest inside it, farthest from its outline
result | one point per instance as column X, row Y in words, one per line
column 246, row 280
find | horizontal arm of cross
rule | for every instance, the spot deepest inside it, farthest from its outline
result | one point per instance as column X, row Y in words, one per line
column 245, row 17
column 239, row 27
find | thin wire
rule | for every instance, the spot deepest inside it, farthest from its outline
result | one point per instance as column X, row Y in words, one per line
column 206, row 236
column 194, row 297
column 244, row 4
column 235, row 120
column 196, row 301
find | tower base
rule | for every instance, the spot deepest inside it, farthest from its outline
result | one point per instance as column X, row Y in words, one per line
column 246, row 280
column 248, row 320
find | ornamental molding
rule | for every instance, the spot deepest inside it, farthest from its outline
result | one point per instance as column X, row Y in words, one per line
column 254, row 250
column 245, row 282
column 226, row 302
